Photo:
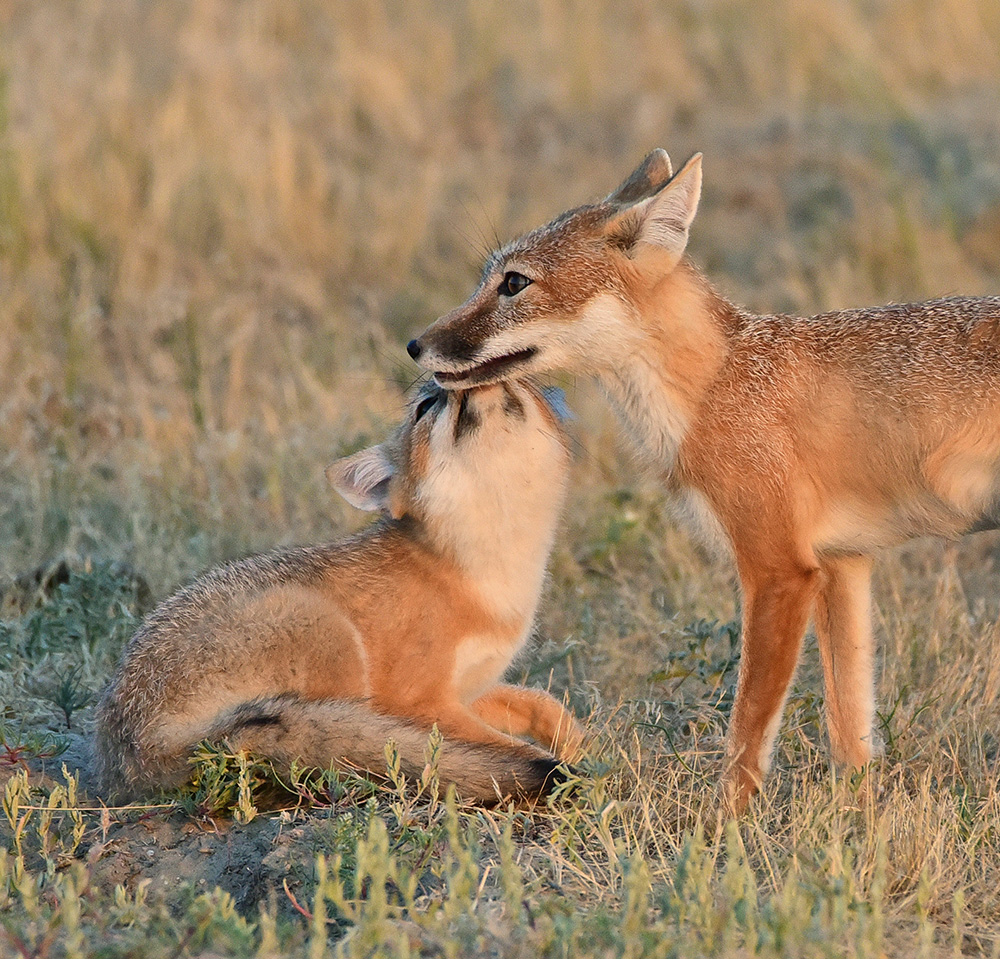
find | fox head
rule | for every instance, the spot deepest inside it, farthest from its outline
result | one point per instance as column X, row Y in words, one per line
column 549, row 299
column 461, row 453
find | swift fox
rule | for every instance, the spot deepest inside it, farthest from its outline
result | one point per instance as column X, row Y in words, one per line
column 802, row 443
column 323, row 653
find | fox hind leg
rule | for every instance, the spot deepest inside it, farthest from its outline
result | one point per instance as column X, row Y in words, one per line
column 518, row 711
column 844, row 633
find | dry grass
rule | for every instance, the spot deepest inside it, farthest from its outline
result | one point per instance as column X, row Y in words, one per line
column 218, row 226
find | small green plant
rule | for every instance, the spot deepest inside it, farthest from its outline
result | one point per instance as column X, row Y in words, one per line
column 59, row 823
column 231, row 782
column 66, row 691
column 224, row 781
column 20, row 744
column 711, row 656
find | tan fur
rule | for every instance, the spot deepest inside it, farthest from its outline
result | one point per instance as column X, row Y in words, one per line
column 805, row 443
column 323, row 653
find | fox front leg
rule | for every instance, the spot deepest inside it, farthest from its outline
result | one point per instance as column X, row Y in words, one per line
column 776, row 609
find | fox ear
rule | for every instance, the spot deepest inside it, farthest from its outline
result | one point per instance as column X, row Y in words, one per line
column 648, row 178
column 664, row 219
column 363, row 478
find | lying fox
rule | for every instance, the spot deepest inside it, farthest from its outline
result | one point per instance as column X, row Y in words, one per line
column 805, row 444
column 323, row 653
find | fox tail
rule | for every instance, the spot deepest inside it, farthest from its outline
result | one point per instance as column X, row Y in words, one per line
column 345, row 733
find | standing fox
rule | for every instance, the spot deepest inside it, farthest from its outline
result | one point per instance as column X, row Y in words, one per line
column 324, row 653
column 803, row 443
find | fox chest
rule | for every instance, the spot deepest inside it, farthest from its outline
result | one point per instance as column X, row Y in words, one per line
column 479, row 664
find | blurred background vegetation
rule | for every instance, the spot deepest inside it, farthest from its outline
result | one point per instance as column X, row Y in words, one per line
column 220, row 222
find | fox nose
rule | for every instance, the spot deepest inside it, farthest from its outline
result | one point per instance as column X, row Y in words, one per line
column 414, row 349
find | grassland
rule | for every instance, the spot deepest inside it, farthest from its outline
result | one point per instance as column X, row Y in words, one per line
column 218, row 225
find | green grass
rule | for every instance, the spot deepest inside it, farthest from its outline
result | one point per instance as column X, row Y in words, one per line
column 216, row 234
column 397, row 878
column 628, row 862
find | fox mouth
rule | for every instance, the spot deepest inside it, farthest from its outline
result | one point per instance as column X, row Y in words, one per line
column 496, row 369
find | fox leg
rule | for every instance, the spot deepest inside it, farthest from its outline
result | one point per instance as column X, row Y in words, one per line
column 776, row 609
column 531, row 712
column 844, row 631
column 460, row 722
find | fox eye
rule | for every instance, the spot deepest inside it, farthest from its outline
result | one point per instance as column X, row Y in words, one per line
column 424, row 406
column 513, row 283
